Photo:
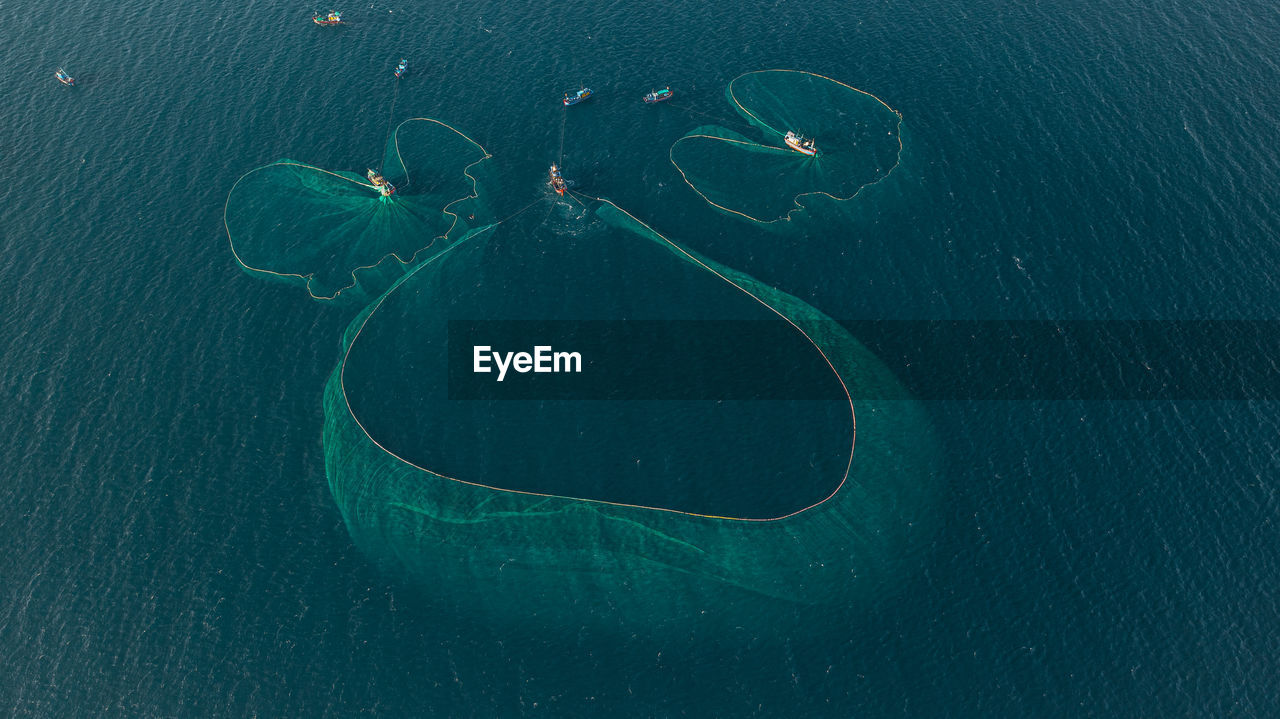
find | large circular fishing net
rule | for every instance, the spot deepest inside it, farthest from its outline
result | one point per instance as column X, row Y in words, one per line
column 631, row 508
column 751, row 173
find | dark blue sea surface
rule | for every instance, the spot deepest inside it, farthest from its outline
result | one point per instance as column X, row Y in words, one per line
column 171, row 547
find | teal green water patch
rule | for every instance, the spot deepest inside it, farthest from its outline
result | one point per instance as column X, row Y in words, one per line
column 334, row 233
column 519, row 552
column 752, row 174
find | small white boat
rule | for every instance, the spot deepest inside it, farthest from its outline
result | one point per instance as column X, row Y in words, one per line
column 801, row 144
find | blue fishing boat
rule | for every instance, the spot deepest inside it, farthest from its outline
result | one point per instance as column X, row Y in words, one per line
column 402, row 67
column 333, row 17
column 577, row 97
column 658, row 95
column 64, row 78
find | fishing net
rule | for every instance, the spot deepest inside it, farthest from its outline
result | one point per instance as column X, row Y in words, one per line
column 333, row 232
column 639, row 508
column 752, row 174
column 504, row 505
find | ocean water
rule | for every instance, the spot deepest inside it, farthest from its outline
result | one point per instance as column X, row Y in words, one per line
column 171, row 545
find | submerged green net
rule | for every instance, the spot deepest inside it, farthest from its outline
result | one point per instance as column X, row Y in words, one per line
column 752, row 174
column 467, row 534
column 333, row 232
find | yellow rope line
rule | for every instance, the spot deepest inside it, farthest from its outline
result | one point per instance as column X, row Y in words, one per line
column 307, row 278
column 465, row 171
column 796, row 200
column 351, row 412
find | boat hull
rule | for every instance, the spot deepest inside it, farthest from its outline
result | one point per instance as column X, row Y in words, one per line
column 794, row 145
column 575, row 99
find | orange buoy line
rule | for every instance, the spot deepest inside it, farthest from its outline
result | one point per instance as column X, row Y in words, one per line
column 848, row 396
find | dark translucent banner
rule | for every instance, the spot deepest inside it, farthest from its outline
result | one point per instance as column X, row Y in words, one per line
column 636, row 360
column 931, row 360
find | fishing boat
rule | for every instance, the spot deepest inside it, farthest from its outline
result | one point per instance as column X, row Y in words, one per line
column 332, row 18
column 401, row 68
column 801, row 144
column 658, row 95
column 64, row 78
column 380, row 183
column 577, row 97
column 557, row 181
